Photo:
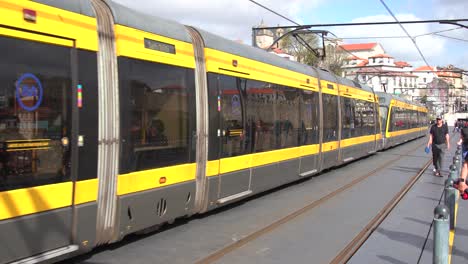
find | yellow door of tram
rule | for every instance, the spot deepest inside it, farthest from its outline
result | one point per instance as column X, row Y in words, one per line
column 36, row 179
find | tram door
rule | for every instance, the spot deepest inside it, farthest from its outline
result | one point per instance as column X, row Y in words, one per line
column 234, row 181
column 35, row 144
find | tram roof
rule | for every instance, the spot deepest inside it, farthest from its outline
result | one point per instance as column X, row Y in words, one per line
column 388, row 97
column 77, row 6
column 222, row 44
column 134, row 19
column 126, row 17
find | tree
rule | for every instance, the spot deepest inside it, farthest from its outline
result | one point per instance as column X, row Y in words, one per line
column 424, row 99
column 300, row 45
column 333, row 60
column 296, row 45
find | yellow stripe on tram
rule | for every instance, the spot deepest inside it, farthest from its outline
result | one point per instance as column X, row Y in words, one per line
column 150, row 179
column 37, row 199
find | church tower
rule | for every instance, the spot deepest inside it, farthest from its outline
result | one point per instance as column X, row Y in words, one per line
column 264, row 38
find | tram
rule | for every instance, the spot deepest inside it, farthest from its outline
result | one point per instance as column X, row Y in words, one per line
column 113, row 122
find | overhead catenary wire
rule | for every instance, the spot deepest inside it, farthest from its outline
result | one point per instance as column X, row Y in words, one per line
column 396, row 37
column 406, row 32
column 459, row 39
column 376, row 23
column 297, row 24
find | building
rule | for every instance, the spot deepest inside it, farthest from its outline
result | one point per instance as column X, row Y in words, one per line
column 442, row 87
column 368, row 63
column 265, row 38
column 362, row 51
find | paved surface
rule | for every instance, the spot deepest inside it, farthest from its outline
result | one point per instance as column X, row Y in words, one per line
column 406, row 235
column 314, row 237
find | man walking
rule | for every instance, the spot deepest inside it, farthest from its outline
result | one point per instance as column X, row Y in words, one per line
column 439, row 139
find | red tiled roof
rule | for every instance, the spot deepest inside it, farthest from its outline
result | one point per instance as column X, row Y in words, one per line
column 381, row 56
column 402, row 64
column 448, row 74
column 278, row 51
column 360, row 46
column 363, row 63
column 425, row 68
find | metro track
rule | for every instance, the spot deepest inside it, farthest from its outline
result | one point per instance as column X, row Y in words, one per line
column 347, row 252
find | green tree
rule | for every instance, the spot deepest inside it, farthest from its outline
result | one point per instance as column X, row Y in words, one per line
column 333, row 60
column 300, row 47
column 424, row 99
column 296, row 45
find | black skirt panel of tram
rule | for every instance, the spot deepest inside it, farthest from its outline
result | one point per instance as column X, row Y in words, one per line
column 153, row 207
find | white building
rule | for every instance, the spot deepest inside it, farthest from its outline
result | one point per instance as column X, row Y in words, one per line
column 362, row 51
column 370, row 65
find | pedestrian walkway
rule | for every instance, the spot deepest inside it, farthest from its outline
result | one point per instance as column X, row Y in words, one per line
column 405, row 236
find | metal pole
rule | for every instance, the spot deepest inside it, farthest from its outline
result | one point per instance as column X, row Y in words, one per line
column 458, row 153
column 441, row 235
column 453, row 172
column 450, row 200
column 456, row 162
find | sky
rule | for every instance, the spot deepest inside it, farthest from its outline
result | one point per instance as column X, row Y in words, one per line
column 234, row 20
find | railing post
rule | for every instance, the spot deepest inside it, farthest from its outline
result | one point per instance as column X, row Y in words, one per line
column 456, row 162
column 453, row 172
column 450, row 200
column 441, row 235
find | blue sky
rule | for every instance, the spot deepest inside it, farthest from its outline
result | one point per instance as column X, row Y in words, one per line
column 234, row 20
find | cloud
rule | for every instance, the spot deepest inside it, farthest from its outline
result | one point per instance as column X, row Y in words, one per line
column 230, row 19
column 450, row 9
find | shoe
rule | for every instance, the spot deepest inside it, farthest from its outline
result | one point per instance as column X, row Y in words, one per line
column 434, row 170
column 438, row 174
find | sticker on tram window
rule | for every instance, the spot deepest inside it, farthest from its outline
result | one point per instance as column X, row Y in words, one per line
column 29, row 92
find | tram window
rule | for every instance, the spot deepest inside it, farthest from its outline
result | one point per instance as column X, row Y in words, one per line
column 213, row 144
column 414, row 117
column 399, row 119
column 392, row 120
column 287, row 124
column 330, row 117
column 262, row 114
column 87, row 61
column 231, row 96
column 309, row 118
column 383, row 112
column 348, row 115
column 366, row 117
column 157, row 114
column 35, row 114
column 377, row 119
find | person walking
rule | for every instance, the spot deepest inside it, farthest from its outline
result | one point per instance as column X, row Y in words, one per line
column 440, row 140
